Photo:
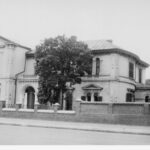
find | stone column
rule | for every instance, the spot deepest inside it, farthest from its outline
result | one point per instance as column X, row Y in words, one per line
column 17, row 107
column 2, row 103
column 25, row 101
column 146, row 108
column 77, row 106
column 110, row 108
column 64, row 104
column 36, row 99
column 35, row 108
column 92, row 97
column 56, row 106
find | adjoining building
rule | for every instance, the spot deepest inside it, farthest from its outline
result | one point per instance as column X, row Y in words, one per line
column 117, row 75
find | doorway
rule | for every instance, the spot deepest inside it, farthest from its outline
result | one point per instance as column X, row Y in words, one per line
column 30, row 97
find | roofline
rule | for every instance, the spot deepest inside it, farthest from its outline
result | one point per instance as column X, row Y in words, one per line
column 30, row 55
column 142, row 88
column 16, row 44
column 122, row 52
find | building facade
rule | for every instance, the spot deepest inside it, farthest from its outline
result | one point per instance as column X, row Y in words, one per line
column 117, row 75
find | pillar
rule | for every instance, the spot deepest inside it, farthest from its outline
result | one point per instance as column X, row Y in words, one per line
column 146, row 108
column 56, row 106
column 25, row 101
column 77, row 106
column 92, row 97
column 36, row 99
column 110, row 108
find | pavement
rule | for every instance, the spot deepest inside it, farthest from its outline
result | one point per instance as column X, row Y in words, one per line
column 97, row 127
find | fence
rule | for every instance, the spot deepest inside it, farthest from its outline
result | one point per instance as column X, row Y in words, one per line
column 116, row 113
column 112, row 108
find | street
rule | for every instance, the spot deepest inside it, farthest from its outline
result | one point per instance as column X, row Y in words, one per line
column 22, row 135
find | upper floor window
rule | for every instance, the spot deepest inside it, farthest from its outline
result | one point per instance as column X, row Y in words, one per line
column 97, row 66
column 131, row 70
column 140, row 75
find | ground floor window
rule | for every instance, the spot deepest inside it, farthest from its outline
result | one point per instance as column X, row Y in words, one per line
column 92, row 97
column 97, row 98
column 147, row 99
column 130, row 95
column 88, row 97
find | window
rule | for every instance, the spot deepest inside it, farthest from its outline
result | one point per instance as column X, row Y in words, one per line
column 96, row 97
column 140, row 75
column 100, row 99
column 131, row 70
column 97, row 66
column 88, row 97
column 130, row 96
column 146, row 98
column 83, row 98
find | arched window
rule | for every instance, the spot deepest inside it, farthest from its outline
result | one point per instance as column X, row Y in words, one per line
column 30, row 97
column 97, row 66
column 88, row 97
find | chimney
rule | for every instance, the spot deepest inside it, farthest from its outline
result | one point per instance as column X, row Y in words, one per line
column 109, row 41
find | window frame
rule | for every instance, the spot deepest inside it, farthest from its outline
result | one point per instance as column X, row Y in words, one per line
column 97, row 72
column 140, row 75
column 131, row 70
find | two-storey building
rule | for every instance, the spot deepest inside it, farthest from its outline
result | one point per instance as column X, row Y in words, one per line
column 12, row 62
column 117, row 75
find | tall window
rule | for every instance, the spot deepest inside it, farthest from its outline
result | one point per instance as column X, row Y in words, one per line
column 96, row 97
column 140, row 75
column 88, row 97
column 131, row 70
column 130, row 95
column 97, row 66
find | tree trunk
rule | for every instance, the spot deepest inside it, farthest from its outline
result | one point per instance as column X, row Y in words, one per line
column 61, row 99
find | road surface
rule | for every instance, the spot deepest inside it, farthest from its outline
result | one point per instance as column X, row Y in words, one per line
column 22, row 135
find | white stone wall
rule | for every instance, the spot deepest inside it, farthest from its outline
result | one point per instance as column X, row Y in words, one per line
column 12, row 61
column 113, row 77
column 30, row 64
column 22, row 86
column 18, row 60
column 124, row 68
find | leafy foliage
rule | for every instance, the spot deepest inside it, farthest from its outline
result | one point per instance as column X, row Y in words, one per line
column 58, row 61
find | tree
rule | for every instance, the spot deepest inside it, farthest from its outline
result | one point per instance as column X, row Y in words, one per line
column 59, row 61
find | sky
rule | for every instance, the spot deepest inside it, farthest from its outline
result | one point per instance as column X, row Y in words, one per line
column 126, row 22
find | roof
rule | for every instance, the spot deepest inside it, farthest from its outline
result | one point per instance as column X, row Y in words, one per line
column 11, row 42
column 30, row 54
column 100, row 44
column 92, row 87
column 106, row 46
column 142, row 87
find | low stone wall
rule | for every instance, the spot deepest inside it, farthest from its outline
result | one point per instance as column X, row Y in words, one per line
column 115, row 113
column 113, row 108
column 127, row 108
column 93, row 108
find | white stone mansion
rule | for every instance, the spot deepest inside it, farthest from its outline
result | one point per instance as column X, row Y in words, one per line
column 117, row 75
